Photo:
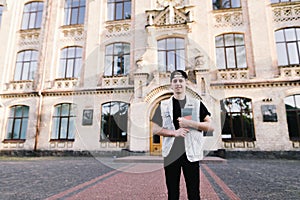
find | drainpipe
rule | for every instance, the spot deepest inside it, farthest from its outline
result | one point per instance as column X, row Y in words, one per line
column 42, row 59
column 39, row 119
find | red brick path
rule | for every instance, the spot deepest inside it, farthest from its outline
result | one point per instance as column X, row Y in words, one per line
column 137, row 182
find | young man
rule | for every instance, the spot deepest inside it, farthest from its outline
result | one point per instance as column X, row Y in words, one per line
column 182, row 137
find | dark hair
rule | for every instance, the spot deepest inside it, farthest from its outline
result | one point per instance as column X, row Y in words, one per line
column 178, row 72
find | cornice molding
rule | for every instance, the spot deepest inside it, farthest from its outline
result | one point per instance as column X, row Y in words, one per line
column 129, row 90
column 262, row 84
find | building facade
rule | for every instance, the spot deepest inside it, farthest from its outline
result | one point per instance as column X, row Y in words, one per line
column 87, row 75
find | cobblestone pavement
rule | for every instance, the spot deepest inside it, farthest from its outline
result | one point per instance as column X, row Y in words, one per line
column 100, row 178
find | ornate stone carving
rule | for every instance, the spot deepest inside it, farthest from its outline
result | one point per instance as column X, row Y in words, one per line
column 228, row 19
column 115, row 82
column 169, row 16
column 30, row 37
column 289, row 12
column 20, row 86
column 65, row 84
column 292, row 71
column 229, row 75
column 74, row 33
column 117, row 28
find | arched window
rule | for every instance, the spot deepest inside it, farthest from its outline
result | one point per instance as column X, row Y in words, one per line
column 237, row 119
column 117, row 59
column 70, row 62
column 118, row 9
column 225, row 4
column 74, row 12
column 114, row 121
column 26, row 65
column 288, row 46
column 17, row 123
column 171, row 54
column 230, row 51
column 292, row 106
column 63, row 122
column 32, row 15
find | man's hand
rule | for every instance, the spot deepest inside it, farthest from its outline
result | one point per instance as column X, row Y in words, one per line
column 183, row 123
column 181, row 132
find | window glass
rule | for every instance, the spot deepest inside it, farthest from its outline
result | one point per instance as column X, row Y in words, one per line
column 293, row 53
column 17, row 122
column 220, row 58
column 171, row 54
column 226, row 4
column 26, row 65
column 230, row 58
column 70, row 62
column 127, row 10
column 237, row 119
column 292, row 105
column 74, row 12
column 114, row 122
column 290, row 34
column 230, row 51
column 32, row 15
column 297, row 101
column 241, row 57
column 288, row 46
column 63, row 127
column 117, row 59
column 118, row 9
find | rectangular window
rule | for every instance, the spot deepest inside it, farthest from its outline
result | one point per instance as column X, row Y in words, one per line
column 118, row 9
column 74, row 12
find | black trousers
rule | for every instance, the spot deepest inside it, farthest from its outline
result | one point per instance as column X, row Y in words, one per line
column 191, row 174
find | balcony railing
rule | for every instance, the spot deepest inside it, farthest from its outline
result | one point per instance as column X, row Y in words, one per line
column 292, row 71
column 115, row 81
column 65, row 84
column 233, row 75
column 19, row 86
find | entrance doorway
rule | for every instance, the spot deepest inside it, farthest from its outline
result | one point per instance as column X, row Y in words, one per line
column 156, row 140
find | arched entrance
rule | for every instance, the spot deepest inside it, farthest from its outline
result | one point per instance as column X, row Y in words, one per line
column 156, row 140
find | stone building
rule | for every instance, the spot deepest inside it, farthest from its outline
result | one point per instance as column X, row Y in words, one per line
column 87, row 75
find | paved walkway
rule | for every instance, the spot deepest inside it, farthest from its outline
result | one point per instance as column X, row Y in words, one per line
column 138, row 178
column 142, row 178
column 133, row 183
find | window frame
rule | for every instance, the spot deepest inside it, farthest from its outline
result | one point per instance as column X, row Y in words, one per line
column 115, row 59
column 23, row 124
column 115, row 133
column 291, row 112
column 227, row 61
column 167, row 50
column 57, row 136
column 286, row 42
column 228, row 133
column 72, row 13
column 113, row 7
column 70, row 65
column 222, row 6
column 23, row 64
column 37, row 15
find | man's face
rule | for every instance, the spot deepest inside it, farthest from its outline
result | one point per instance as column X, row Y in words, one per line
column 178, row 84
